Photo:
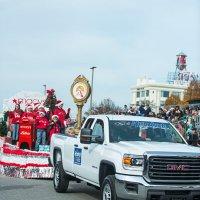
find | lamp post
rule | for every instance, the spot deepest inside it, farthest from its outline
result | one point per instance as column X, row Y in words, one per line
column 92, row 68
column 45, row 89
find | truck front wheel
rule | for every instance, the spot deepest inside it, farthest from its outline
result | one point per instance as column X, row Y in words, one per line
column 108, row 189
column 60, row 180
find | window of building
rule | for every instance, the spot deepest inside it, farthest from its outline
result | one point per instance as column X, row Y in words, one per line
column 147, row 93
column 165, row 94
column 138, row 94
column 143, row 94
column 178, row 94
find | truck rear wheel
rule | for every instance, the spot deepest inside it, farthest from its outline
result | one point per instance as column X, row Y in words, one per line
column 108, row 189
column 60, row 180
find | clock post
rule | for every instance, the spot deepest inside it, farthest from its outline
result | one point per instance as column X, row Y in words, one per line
column 80, row 91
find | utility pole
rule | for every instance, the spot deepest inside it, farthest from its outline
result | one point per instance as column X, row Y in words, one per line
column 92, row 68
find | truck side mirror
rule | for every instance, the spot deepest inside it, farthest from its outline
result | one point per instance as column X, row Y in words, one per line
column 86, row 136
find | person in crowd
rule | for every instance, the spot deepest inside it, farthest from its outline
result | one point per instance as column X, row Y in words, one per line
column 60, row 112
column 41, row 124
column 193, row 138
column 125, row 110
column 161, row 114
column 54, row 126
column 147, row 110
column 180, row 128
column 152, row 114
column 133, row 111
column 141, row 110
column 15, row 116
column 177, row 112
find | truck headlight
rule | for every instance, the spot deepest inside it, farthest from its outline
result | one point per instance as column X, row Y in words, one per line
column 132, row 161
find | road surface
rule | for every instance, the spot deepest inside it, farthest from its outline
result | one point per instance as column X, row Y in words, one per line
column 34, row 189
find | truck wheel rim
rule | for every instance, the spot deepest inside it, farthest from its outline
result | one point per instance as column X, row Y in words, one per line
column 56, row 176
column 107, row 192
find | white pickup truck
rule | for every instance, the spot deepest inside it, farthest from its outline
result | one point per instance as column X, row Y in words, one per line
column 128, row 157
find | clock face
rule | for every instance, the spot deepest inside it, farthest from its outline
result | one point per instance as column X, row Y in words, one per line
column 80, row 91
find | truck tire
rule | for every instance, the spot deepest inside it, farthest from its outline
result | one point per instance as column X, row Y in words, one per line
column 108, row 191
column 60, row 180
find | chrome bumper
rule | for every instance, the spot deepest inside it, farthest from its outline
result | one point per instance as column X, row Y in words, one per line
column 142, row 190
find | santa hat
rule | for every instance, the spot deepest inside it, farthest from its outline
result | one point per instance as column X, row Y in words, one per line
column 54, row 116
column 59, row 103
column 29, row 106
column 42, row 113
column 40, row 106
column 36, row 105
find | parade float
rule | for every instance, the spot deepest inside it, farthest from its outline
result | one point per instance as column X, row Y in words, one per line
column 21, row 160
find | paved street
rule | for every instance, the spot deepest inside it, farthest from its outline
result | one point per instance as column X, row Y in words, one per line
column 26, row 189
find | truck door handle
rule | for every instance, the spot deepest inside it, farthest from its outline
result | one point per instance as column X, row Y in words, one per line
column 85, row 148
column 76, row 145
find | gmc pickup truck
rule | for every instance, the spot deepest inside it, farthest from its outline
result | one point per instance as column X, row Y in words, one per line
column 128, row 157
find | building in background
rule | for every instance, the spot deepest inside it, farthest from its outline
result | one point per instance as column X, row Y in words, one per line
column 147, row 91
column 155, row 94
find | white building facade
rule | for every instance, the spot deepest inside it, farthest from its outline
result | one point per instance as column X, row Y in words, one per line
column 155, row 94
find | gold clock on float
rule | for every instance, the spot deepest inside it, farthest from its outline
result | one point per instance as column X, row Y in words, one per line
column 80, row 89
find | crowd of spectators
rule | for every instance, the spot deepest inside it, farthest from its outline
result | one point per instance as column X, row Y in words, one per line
column 186, row 120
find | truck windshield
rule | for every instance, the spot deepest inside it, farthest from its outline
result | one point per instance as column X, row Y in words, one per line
column 143, row 131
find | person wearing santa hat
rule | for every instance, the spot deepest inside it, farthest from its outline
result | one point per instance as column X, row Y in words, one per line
column 54, row 126
column 40, row 109
column 29, row 114
column 60, row 112
column 15, row 117
column 41, row 124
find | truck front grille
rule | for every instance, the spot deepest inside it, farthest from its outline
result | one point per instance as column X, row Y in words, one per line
column 174, row 169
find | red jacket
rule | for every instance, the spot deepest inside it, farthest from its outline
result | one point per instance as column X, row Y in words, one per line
column 29, row 115
column 16, row 116
column 61, row 114
column 37, row 113
column 54, row 128
column 41, row 123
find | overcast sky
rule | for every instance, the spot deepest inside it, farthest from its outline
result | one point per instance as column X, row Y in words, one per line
column 53, row 41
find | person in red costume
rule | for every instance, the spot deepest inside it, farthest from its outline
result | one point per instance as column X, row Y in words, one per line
column 41, row 124
column 54, row 127
column 60, row 112
column 15, row 116
column 29, row 114
column 40, row 109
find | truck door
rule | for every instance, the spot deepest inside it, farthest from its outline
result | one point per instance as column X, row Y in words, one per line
column 80, row 153
column 93, row 152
